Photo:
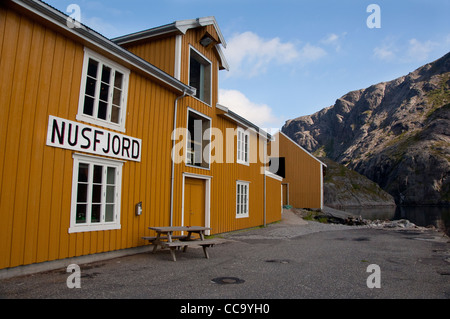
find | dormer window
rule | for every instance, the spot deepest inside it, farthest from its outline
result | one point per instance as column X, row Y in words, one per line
column 200, row 75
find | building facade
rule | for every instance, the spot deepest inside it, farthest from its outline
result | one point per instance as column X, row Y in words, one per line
column 101, row 139
column 302, row 184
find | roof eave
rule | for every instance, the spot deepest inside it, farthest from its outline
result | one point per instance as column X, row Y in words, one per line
column 97, row 40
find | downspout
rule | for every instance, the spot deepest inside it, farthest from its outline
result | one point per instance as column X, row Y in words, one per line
column 172, row 178
column 265, row 167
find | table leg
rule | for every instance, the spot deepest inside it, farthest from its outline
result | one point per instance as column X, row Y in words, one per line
column 172, row 252
column 205, row 252
column 155, row 245
column 188, row 237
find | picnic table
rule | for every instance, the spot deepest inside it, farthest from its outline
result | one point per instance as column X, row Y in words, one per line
column 166, row 239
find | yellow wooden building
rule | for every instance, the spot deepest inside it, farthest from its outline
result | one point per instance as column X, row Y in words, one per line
column 302, row 173
column 101, row 138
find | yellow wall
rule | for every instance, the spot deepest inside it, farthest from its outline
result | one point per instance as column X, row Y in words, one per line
column 40, row 75
column 303, row 174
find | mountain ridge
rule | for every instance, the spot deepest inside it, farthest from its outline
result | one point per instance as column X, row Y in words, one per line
column 396, row 133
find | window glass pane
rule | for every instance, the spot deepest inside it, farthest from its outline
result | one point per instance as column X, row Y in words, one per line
column 238, row 198
column 82, row 193
column 81, row 214
column 194, row 75
column 90, row 86
column 118, row 80
column 83, row 171
column 98, row 174
column 111, row 175
column 92, row 68
column 106, row 74
column 95, row 214
column 104, row 91
column 109, row 213
column 88, row 105
column 115, row 114
column 239, row 146
column 110, row 194
column 116, row 97
column 246, row 148
column 245, row 198
column 102, row 108
column 97, row 193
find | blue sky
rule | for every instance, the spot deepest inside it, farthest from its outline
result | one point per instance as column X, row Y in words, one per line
column 292, row 58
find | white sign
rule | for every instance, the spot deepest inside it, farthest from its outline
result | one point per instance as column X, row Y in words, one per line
column 75, row 136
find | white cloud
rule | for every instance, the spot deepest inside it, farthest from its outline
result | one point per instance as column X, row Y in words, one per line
column 249, row 54
column 420, row 51
column 310, row 53
column 384, row 52
column 334, row 40
column 411, row 51
column 259, row 114
column 100, row 26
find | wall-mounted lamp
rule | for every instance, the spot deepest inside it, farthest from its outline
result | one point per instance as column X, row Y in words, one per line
column 206, row 40
column 138, row 209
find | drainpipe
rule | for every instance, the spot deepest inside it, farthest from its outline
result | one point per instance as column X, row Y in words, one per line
column 265, row 167
column 173, row 163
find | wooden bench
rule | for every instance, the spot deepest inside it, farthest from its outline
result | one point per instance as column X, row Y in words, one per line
column 184, row 244
column 152, row 239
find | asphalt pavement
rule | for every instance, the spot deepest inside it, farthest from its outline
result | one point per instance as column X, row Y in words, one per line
column 293, row 259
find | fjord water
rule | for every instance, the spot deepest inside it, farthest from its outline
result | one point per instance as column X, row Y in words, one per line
column 437, row 216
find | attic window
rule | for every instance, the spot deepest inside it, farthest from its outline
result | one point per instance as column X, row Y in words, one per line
column 200, row 76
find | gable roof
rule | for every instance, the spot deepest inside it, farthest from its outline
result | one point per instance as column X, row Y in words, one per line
column 98, row 41
column 179, row 27
column 226, row 112
column 296, row 144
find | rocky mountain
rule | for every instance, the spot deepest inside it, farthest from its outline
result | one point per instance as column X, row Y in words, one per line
column 396, row 133
column 344, row 187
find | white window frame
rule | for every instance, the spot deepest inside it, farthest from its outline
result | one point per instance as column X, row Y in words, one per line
column 205, row 149
column 242, row 199
column 102, row 225
column 102, row 61
column 243, row 146
column 202, row 94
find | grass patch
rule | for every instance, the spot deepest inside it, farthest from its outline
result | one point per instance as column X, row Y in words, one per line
column 314, row 216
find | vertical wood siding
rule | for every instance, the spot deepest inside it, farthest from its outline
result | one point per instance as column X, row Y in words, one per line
column 40, row 75
column 159, row 52
column 273, row 200
column 303, row 173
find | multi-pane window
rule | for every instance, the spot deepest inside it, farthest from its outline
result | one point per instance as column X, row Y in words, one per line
column 198, row 152
column 200, row 76
column 95, row 194
column 103, row 92
column 242, row 192
column 242, row 146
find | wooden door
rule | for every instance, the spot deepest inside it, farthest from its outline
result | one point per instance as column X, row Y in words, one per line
column 194, row 202
column 285, row 194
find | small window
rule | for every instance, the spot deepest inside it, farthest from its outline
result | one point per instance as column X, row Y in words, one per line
column 242, row 192
column 96, row 192
column 103, row 93
column 277, row 166
column 198, row 152
column 243, row 138
column 200, row 76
